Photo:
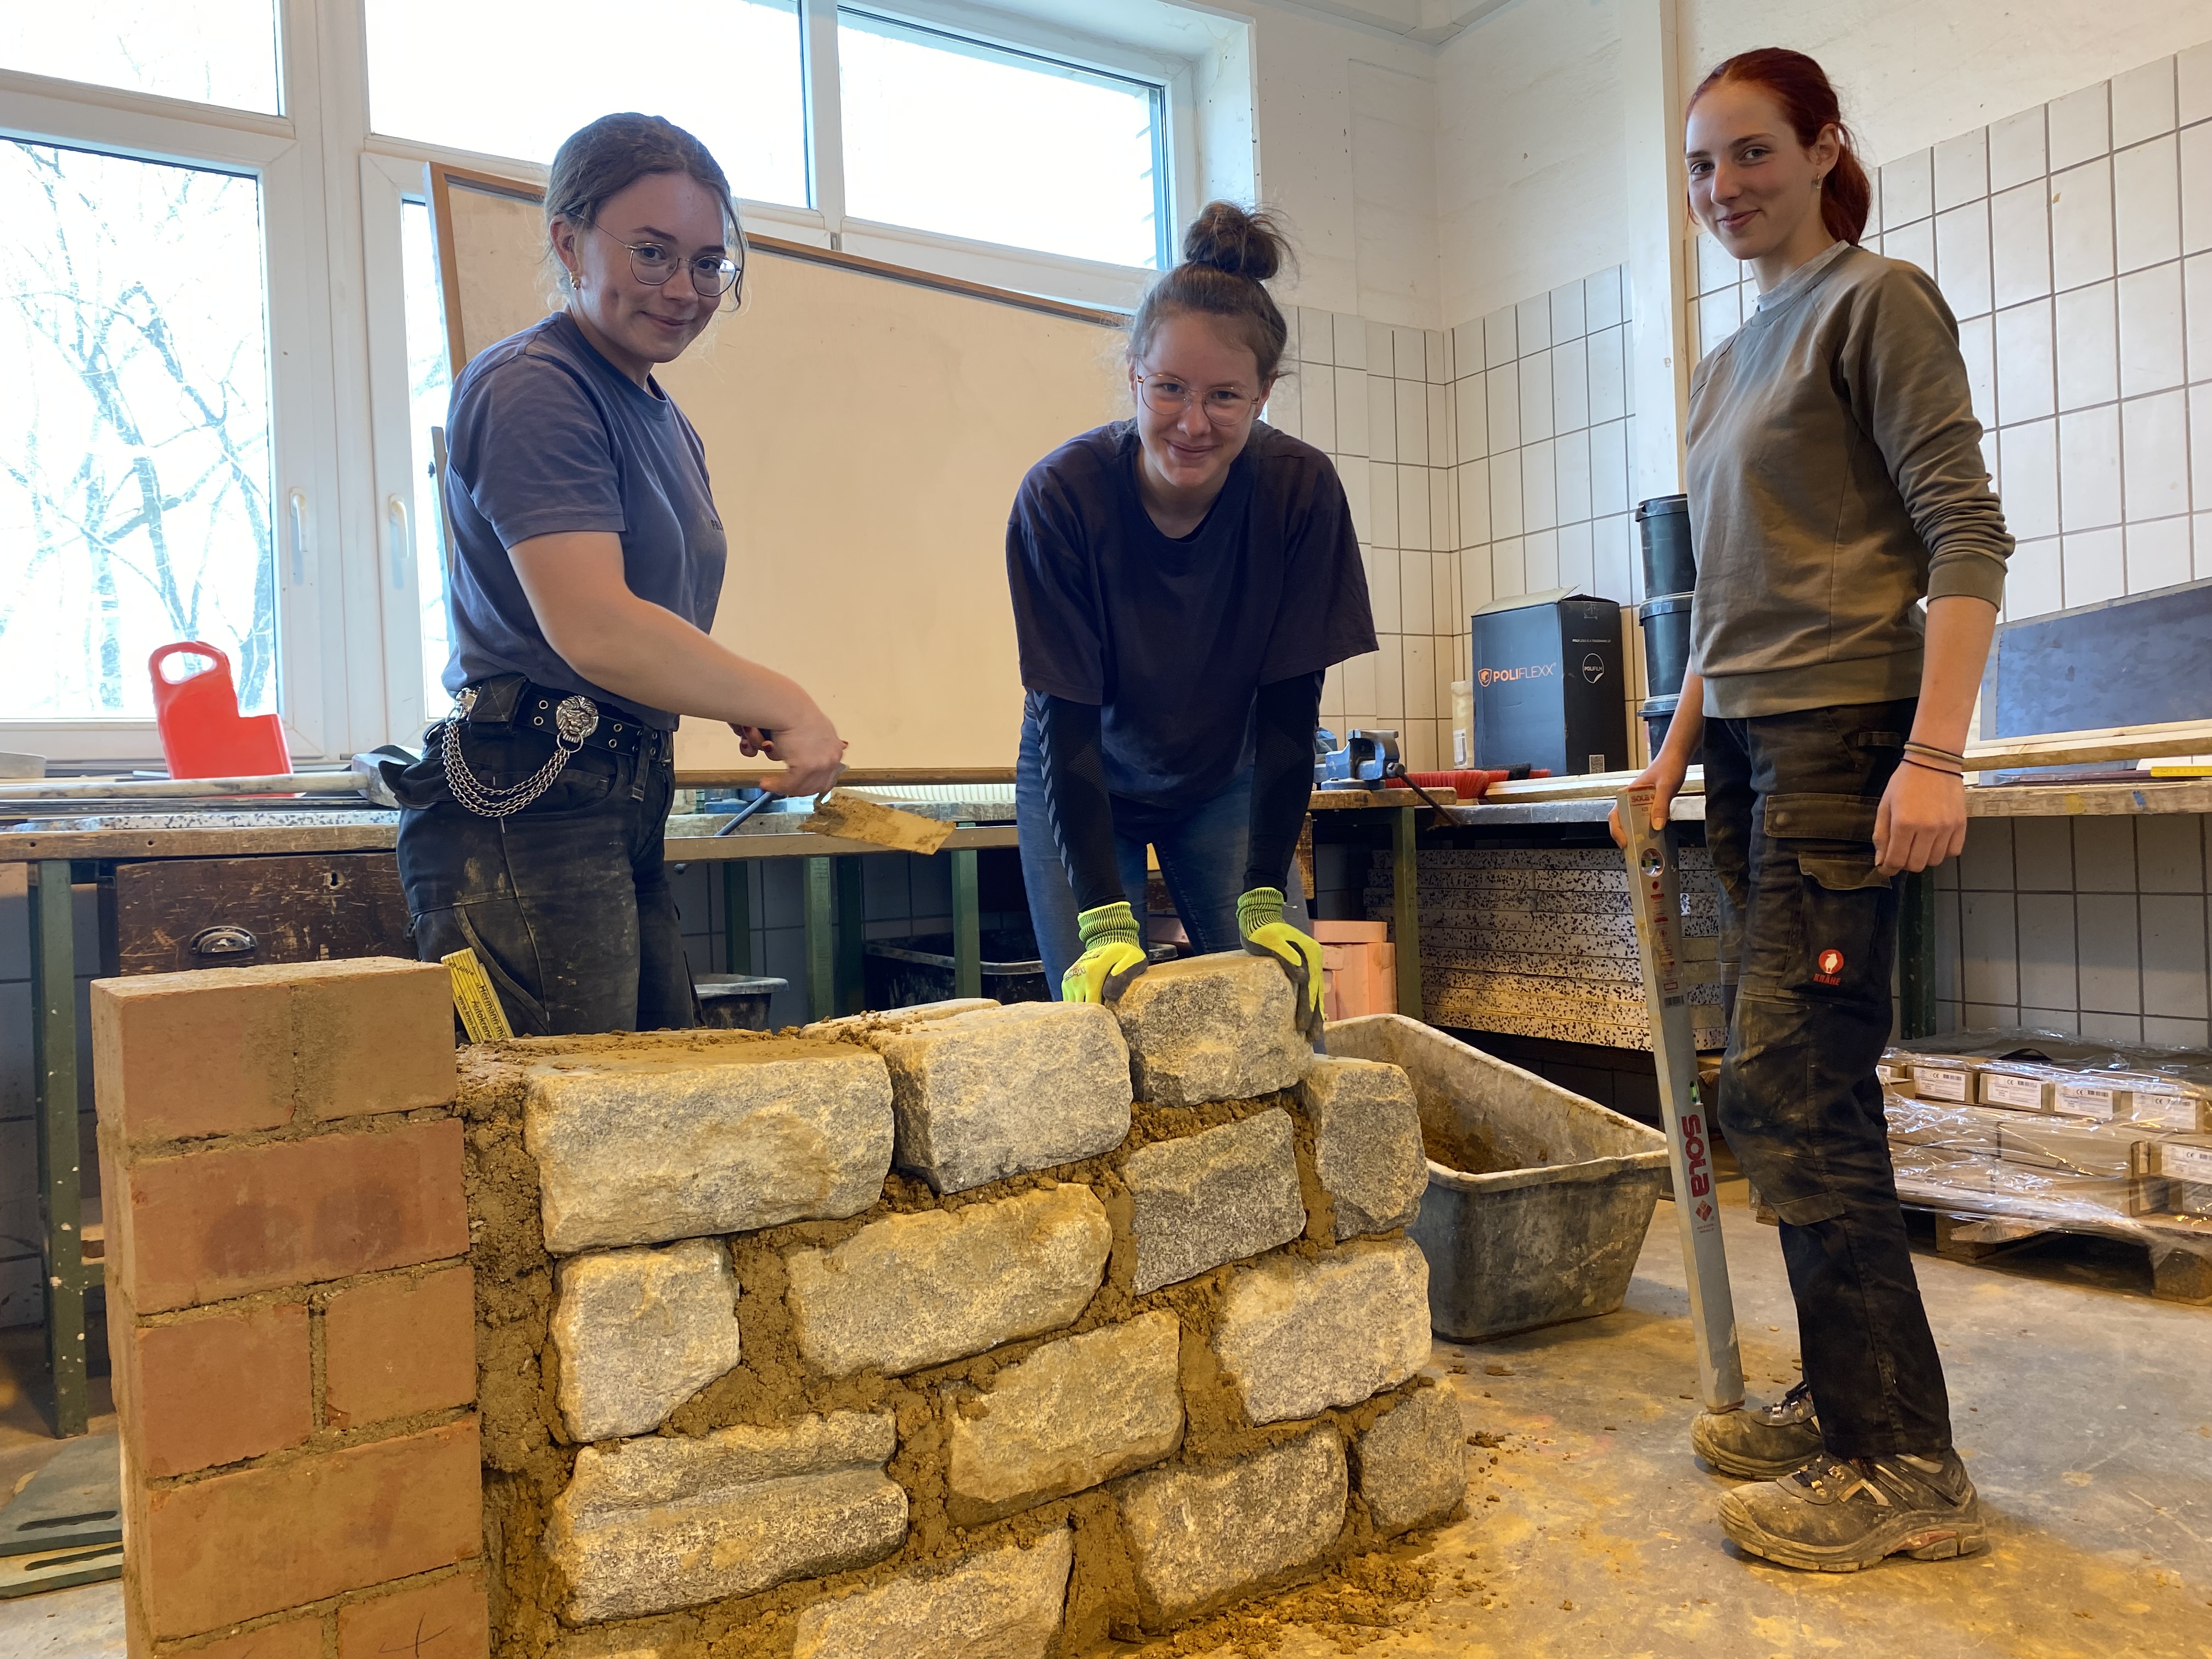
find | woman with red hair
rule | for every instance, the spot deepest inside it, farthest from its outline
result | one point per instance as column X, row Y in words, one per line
column 1836, row 482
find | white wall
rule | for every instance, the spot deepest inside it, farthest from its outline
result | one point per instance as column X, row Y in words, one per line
column 1915, row 72
column 1530, row 153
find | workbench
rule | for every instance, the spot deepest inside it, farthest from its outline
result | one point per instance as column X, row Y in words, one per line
column 1398, row 819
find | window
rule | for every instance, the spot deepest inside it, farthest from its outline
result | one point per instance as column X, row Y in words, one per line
column 211, row 52
column 134, row 464
column 502, row 79
column 430, row 388
column 950, row 135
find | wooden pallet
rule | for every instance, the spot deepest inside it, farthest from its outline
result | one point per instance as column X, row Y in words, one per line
column 2180, row 1271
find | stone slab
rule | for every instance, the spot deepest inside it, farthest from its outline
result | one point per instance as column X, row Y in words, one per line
column 999, row 1604
column 1296, row 1337
column 1413, row 1461
column 1212, row 1028
column 895, row 1019
column 1201, row 1534
column 1206, row 1199
column 638, row 1331
column 913, row 1291
column 1367, row 1143
column 1073, row 1413
column 649, row 1526
column 655, row 1145
column 993, row 1092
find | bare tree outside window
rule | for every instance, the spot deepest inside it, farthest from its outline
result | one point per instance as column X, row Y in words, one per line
column 135, row 471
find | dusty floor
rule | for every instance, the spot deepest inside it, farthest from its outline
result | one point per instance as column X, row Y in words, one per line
column 2085, row 1411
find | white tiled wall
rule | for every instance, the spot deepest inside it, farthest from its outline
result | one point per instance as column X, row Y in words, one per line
column 2094, row 925
column 2074, row 242
column 1377, row 400
column 1485, row 462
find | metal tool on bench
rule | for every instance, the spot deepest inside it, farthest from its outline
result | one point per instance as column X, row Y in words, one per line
column 1365, row 760
column 1655, row 895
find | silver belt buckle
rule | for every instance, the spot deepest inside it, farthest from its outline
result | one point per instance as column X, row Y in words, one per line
column 576, row 718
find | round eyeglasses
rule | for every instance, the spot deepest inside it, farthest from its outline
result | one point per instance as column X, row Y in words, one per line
column 712, row 274
column 1224, row 405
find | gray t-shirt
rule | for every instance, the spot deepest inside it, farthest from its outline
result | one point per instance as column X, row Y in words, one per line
column 546, row 436
column 1836, row 479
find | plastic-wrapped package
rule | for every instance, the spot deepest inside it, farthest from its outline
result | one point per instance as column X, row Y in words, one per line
column 2062, row 1133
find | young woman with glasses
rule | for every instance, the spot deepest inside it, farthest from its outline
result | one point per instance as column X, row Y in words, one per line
column 1836, row 482
column 587, row 563
column 1181, row 581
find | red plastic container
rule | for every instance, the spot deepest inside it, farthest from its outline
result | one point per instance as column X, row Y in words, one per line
column 203, row 733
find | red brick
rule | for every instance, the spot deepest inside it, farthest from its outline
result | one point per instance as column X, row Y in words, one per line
column 226, row 1050
column 444, row 1620
column 206, row 1226
column 235, row 1546
column 372, row 1035
column 208, row 1053
column 208, row 1391
column 394, row 1347
column 296, row 1638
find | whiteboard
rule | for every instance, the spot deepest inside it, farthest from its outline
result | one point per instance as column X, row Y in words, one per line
column 865, row 429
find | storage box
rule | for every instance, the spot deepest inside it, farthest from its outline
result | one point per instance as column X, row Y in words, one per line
column 1944, row 1080
column 1549, row 689
column 1966, row 1129
column 1894, row 1073
column 2021, row 1088
column 2101, row 1152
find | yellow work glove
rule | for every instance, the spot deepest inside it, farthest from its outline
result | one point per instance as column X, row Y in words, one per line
column 1113, row 955
column 1260, row 920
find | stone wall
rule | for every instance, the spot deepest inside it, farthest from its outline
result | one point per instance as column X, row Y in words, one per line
column 970, row 1329
column 289, row 1313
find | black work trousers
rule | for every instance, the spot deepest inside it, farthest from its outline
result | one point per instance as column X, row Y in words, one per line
column 565, row 902
column 1808, row 939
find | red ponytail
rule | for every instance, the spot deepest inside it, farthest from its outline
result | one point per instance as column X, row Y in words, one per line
column 1808, row 103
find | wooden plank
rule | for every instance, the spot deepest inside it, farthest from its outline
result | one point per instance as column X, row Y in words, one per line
column 2093, row 800
column 781, row 844
column 88, row 844
column 2112, row 743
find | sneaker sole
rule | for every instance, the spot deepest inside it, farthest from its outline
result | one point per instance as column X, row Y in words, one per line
column 1923, row 1537
column 1747, row 1468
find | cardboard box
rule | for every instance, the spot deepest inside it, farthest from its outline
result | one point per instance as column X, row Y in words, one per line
column 1944, row 1078
column 1893, row 1072
column 1966, row 1129
column 2096, row 1151
column 2017, row 1086
column 2183, row 1157
column 2165, row 1103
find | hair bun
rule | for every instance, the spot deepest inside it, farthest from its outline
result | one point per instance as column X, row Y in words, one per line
column 1227, row 238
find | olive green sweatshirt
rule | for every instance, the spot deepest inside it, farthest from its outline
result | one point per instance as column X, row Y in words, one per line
column 1836, row 478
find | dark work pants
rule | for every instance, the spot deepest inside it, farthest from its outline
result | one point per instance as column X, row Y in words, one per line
column 566, row 902
column 1808, row 938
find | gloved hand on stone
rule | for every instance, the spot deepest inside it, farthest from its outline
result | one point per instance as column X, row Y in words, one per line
column 1113, row 955
column 1260, row 920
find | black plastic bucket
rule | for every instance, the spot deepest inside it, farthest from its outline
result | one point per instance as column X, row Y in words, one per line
column 1670, row 564
column 1657, row 713
column 1666, row 622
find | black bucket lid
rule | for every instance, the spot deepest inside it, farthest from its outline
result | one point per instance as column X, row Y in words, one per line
column 1660, row 506
column 1652, row 707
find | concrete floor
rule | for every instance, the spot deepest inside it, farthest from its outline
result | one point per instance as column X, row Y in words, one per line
column 2084, row 1409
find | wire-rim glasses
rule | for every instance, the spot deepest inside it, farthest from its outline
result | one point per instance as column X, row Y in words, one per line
column 712, row 274
column 1224, row 405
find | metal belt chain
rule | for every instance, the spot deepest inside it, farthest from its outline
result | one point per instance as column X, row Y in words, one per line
column 575, row 719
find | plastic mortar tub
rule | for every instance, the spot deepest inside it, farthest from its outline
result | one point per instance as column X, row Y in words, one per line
column 1538, row 1200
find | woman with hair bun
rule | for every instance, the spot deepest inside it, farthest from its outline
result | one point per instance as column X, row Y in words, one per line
column 1836, row 482
column 587, row 564
column 1181, row 581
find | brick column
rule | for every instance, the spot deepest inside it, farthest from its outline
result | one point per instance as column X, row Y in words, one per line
column 290, row 1312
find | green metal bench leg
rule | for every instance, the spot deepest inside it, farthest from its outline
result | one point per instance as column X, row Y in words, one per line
column 852, row 936
column 53, row 1060
column 736, row 918
column 1406, row 894
column 821, row 938
column 967, row 926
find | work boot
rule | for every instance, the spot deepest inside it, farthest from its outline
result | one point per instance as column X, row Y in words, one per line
column 1837, row 1517
column 1759, row 1442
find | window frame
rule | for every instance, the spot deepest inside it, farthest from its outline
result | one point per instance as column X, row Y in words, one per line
column 281, row 152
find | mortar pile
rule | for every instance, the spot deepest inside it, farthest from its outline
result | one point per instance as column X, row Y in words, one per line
column 1003, row 1329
